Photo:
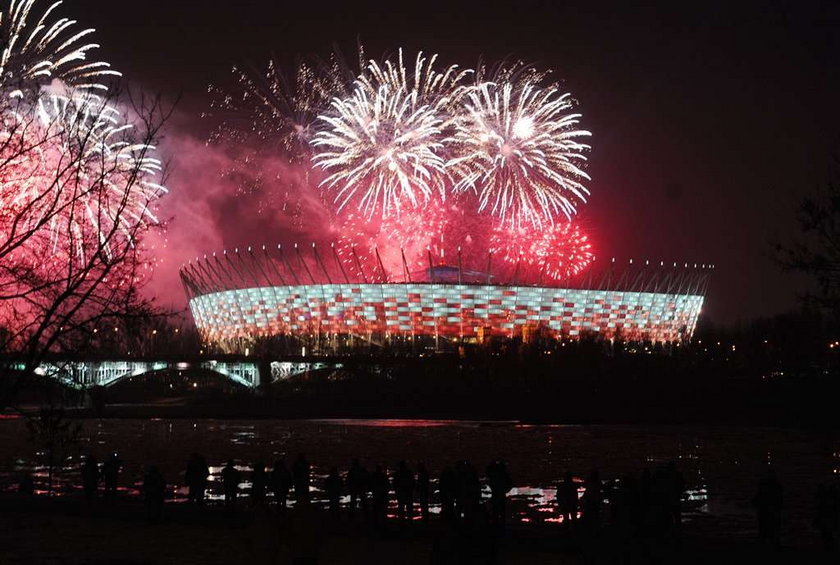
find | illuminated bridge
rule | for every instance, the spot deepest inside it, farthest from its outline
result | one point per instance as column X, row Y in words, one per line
column 87, row 374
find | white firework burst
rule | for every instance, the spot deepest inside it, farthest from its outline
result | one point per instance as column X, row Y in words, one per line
column 37, row 49
column 78, row 168
column 518, row 149
column 385, row 145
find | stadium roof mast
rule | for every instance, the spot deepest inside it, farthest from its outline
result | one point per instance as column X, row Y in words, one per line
column 381, row 266
column 321, row 263
column 406, row 272
column 358, row 263
column 338, row 263
column 274, row 265
column 431, row 265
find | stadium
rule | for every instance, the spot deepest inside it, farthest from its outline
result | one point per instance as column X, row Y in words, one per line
column 307, row 295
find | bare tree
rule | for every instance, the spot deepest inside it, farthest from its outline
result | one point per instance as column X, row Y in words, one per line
column 78, row 177
column 816, row 251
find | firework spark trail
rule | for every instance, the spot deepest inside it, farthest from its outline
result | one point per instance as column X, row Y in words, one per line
column 385, row 144
column 38, row 49
column 98, row 173
column 518, row 150
column 277, row 110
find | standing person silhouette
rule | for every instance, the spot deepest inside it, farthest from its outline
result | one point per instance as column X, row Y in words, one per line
column 827, row 515
column 196, row 478
column 259, row 482
column 230, row 484
column 500, row 484
column 379, row 487
column 357, row 484
column 301, row 476
column 768, row 507
column 676, row 488
column 110, row 476
column 423, row 490
column 567, row 500
column 281, row 483
column 90, row 478
column 332, row 485
column 592, row 500
column 154, row 488
column 404, row 483
column 448, row 485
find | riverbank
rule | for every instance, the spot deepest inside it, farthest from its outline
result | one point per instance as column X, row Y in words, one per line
column 68, row 531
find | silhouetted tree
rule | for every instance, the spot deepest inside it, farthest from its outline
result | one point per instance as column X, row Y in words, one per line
column 55, row 433
column 816, row 251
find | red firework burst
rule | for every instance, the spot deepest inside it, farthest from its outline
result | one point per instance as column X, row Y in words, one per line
column 557, row 253
column 562, row 251
column 416, row 232
column 512, row 244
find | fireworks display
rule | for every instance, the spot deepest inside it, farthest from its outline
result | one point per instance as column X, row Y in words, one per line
column 414, row 159
column 78, row 178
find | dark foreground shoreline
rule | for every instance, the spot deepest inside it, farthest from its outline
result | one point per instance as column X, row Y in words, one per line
column 68, row 531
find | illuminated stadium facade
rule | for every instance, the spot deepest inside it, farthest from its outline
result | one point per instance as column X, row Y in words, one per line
column 241, row 296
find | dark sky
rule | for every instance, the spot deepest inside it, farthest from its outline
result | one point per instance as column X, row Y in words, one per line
column 710, row 122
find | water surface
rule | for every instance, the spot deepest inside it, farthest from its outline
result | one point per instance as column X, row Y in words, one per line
column 721, row 466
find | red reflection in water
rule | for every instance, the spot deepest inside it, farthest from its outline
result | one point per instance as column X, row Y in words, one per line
column 394, row 423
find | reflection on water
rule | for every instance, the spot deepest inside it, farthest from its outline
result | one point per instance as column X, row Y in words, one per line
column 721, row 466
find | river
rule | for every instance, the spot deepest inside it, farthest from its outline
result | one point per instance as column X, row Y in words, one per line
column 721, row 465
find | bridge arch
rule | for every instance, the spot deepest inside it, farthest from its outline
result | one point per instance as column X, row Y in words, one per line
column 86, row 374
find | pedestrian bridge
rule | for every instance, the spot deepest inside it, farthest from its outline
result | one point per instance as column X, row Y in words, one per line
column 87, row 374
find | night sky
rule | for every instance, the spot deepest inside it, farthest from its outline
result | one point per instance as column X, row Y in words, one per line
column 709, row 122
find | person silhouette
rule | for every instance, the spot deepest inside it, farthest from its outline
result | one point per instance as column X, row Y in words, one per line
column 404, row 483
column 90, row 477
column 624, row 510
column 592, row 501
column 379, row 487
column 448, row 485
column 423, row 490
column 500, row 484
column 301, row 476
column 469, row 491
column 567, row 500
column 768, row 506
column 26, row 485
column 827, row 515
column 332, row 485
column 357, row 484
column 110, row 476
column 230, row 483
column 259, row 482
column 154, row 489
column 675, row 487
column 196, row 478
column 281, row 482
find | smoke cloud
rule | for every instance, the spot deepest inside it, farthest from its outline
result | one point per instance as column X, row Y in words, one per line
column 218, row 200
